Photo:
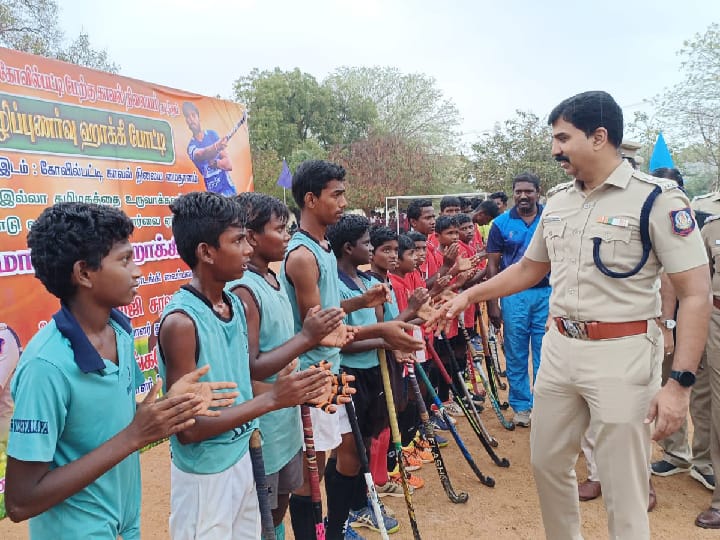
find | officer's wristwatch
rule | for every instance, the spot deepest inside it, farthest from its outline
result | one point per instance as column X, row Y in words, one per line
column 670, row 324
column 685, row 378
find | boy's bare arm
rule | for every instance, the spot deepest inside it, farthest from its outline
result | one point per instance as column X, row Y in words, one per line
column 301, row 267
column 317, row 325
column 177, row 339
column 32, row 487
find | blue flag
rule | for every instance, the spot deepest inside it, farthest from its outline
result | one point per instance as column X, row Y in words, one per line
column 285, row 178
column 660, row 155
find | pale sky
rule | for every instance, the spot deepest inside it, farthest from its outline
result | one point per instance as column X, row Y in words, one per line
column 490, row 57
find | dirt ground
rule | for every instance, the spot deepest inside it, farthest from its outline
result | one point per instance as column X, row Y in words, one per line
column 508, row 511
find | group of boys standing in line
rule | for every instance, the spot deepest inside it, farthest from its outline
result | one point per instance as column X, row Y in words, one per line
column 227, row 351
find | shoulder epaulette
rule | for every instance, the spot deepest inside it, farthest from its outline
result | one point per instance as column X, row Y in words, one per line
column 705, row 196
column 712, row 218
column 664, row 183
column 560, row 187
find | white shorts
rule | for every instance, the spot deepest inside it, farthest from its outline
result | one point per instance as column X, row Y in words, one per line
column 222, row 506
column 327, row 428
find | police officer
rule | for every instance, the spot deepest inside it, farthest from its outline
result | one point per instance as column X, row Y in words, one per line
column 678, row 457
column 710, row 518
column 606, row 241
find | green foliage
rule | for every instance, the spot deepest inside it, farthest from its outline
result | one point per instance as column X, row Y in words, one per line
column 690, row 110
column 519, row 144
column 409, row 105
column 32, row 26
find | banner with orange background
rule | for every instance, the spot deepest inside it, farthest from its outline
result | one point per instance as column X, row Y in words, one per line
column 69, row 133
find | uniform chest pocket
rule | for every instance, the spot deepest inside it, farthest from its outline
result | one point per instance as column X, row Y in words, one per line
column 620, row 249
column 554, row 236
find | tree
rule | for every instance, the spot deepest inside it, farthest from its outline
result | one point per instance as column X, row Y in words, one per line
column 31, row 26
column 690, row 110
column 289, row 108
column 409, row 106
column 519, row 144
column 383, row 165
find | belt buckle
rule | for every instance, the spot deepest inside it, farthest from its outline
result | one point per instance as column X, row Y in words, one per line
column 575, row 329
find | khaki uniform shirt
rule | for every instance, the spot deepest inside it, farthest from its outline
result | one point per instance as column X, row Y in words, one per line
column 612, row 212
column 711, row 237
column 709, row 203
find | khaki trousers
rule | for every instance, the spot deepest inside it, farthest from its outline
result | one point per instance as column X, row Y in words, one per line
column 606, row 385
column 712, row 351
column 676, row 447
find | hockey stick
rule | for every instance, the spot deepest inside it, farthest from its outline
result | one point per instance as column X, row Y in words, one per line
column 237, row 126
column 493, row 356
column 472, row 415
column 365, row 468
column 486, row 480
column 430, row 436
column 478, row 429
column 493, row 340
column 395, row 432
column 312, row 472
column 258, row 467
column 474, row 353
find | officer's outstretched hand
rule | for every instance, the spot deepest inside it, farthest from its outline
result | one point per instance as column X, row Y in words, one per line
column 668, row 408
column 446, row 312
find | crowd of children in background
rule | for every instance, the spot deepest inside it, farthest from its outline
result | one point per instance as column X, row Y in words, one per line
column 239, row 348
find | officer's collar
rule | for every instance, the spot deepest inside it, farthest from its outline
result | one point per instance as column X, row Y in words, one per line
column 620, row 177
column 86, row 356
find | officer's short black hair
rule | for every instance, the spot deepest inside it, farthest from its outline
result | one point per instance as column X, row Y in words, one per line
column 415, row 207
column 445, row 222
column 670, row 174
column 312, row 177
column 527, row 177
column 589, row 111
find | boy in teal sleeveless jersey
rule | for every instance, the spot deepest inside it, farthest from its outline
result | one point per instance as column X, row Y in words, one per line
column 273, row 343
column 309, row 274
column 212, row 489
column 73, row 467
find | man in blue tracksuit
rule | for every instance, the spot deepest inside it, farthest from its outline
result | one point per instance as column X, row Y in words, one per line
column 523, row 314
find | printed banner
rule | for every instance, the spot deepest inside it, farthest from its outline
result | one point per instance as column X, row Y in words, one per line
column 69, row 133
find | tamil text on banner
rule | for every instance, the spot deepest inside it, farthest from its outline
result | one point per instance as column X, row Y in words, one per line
column 69, row 133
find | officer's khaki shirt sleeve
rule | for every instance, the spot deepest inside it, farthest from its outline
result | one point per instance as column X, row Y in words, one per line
column 537, row 249
column 677, row 247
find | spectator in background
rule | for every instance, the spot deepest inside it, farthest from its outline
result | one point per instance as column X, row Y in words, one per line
column 500, row 199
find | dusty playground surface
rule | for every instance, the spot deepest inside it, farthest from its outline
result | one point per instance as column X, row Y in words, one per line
column 510, row 510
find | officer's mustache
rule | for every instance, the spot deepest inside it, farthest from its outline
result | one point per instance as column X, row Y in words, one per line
column 562, row 158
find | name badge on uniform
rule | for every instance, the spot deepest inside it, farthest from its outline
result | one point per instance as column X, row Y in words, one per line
column 616, row 221
column 682, row 221
column 717, row 242
column 551, row 219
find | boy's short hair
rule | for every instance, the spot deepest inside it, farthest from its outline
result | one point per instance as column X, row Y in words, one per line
column 449, row 200
column 381, row 235
column 462, row 218
column 445, row 222
column 405, row 243
column 201, row 217
column 499, row 195
column 69, row 232
column 260, row 208
column 487, row 206
column 414, row 209
column 312, row 177
column 416, row 236
column 349, row 229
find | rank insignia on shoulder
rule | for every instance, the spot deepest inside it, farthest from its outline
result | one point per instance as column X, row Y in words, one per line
column 616, row 221
column 682, row 221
